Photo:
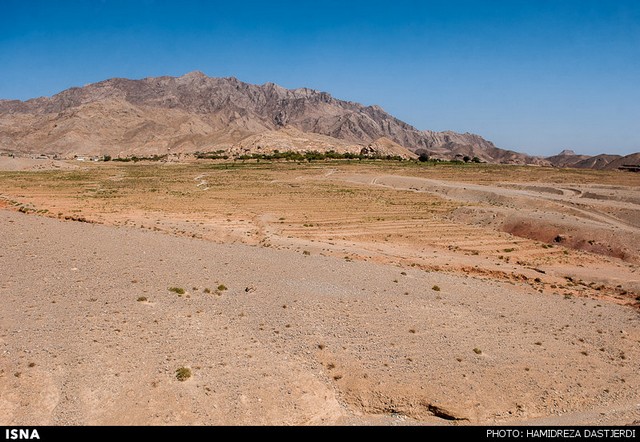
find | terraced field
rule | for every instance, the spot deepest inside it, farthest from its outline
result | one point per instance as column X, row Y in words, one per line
column 571, row 233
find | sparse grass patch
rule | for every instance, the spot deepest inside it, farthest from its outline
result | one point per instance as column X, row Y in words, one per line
column 183, row 373
column 178, row 290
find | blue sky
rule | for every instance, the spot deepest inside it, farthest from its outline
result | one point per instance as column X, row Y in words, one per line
column 536, row 76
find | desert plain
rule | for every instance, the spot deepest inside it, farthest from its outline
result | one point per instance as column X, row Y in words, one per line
column 324, row 293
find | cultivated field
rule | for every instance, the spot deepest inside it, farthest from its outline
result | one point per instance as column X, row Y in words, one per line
column 324, row 293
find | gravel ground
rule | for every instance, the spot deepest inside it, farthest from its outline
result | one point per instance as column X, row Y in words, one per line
column 90, row 333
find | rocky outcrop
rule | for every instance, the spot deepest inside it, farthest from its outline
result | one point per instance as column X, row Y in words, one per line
column 384, row 147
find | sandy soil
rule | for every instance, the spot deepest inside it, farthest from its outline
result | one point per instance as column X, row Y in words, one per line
column 408, row 311
column 13, row 164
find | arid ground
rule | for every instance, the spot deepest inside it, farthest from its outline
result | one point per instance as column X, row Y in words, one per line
column 329, row 293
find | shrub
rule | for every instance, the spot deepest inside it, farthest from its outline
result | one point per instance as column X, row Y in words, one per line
column 178, row 290
column 183, row 373
column 435, row 288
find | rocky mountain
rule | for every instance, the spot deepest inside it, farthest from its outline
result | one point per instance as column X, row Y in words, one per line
column 596, row 162
column 156, row 116
column 568, row 158
column 627, row 160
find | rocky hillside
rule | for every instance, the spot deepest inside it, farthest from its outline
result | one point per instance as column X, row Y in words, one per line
column 568, row 158
column 156, row 116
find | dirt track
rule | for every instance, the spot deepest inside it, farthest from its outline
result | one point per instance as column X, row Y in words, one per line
column 315, row 325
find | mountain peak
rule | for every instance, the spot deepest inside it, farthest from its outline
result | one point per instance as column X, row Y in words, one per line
column 194, row 75
column 567, row 152
column 271, row 85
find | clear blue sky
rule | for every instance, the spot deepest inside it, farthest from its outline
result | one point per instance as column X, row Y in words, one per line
column 536, row 76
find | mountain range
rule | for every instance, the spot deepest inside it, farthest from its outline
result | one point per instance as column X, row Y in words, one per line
column 196, row 113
